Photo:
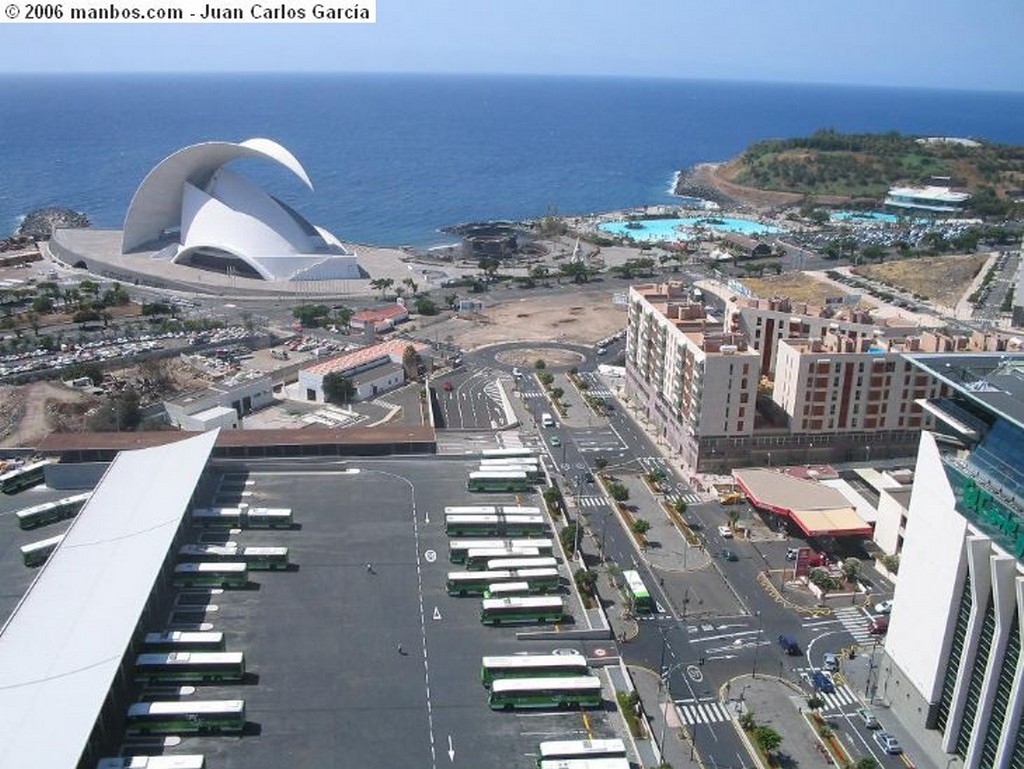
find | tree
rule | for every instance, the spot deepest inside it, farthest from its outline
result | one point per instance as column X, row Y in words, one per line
column 567, row 536
column 767, row 738
column 546, row 378
column 412, row 285
column 733, row 516
column 338, row 389
column 600, row 463
column 411, row 362
column 426, row 306
column 451, row 300
column 382, row 285
column 851, row 569
column 641, row 526
column 540, row 364
column 310, row 315
column 814, row 702
column 618, row 492
column 557, row 393
column 42, row 304
column 680, row 506
column 586, row 581
column 866, row 762
column 540, row 272
column 343, row 316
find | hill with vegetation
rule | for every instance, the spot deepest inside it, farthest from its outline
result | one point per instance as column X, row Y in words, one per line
column 828, row 163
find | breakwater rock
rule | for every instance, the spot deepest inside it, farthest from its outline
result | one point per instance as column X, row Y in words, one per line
column 698, row 182
column 40, row 224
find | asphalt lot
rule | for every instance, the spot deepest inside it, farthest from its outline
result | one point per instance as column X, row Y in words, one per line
column 328, row 685
column 468, row 399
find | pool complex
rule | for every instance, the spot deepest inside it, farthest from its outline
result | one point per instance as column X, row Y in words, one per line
column 873, row 217
column 684, row 227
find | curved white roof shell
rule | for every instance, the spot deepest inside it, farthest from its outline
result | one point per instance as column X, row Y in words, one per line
column 191, row 206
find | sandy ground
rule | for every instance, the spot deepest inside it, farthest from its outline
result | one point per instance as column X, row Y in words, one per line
column 527, row 357
column 580, row 318
column 800, row 287
column 943, row 279
column 25, row 408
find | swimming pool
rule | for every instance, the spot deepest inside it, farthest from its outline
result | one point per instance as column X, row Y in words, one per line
column 863, row 216
column 685, row 227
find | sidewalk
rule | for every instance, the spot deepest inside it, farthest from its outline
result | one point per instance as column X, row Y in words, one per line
column 667, row 728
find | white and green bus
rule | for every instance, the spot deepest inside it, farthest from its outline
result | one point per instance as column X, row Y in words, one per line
column 24, row 477
column 185, row 667
column 51, row 512
column 505, row 481
column 253, row 557
column 192, row 761
column 185, row 717
column 184, row 640
column 489, row 462
column 534, row 562
column 217, row 516
column 507, row 589
column 532, row 666
column 267, row 518
column 547, row 693
column 471, row 510
column 477, row 557
column 564, row 750
column 36, row 553
column 479, row 582
column 637, row 592
column 585, row 763
column 527, row 608
column 459, row 548
column 210, row 574
column 495, row 524
column 533, row 473
column 507, row 453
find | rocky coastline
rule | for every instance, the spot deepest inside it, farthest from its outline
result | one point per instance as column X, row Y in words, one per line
column 699, row 182
column 40, row 224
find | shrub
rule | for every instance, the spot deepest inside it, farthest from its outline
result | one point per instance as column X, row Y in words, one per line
column 641, row 526
column 540, row 364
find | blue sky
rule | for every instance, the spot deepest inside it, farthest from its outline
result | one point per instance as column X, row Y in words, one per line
column 969, row 44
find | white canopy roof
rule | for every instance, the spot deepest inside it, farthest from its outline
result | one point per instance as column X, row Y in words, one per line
column 63, row 644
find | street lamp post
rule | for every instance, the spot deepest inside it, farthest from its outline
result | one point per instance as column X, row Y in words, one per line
column 757, row 647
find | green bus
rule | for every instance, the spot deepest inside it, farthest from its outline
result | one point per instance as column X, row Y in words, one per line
column 459, row 548
column 547, row 693
column 506, row 589
column 527, row 608
column 553, row 752
column 495, row 524
column 534, row 472
column 477, row 557
column 479, row 582
column 192, row 761
column 51, row 512
column 36, row 553
column 254, row 557
column 185, row 717
column 636, row 591
column 185, row 667
column 506, row 481
column 210, row 574
column 532, row 666
column 585, row 763
column 184, row 640
column 24, row 477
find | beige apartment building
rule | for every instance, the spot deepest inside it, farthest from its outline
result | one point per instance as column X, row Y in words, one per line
column 775, row 379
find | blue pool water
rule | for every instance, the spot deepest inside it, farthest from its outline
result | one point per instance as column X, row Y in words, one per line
column 683, row 227
column 863, row 216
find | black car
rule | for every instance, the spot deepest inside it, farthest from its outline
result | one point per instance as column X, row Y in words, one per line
column 728, row 555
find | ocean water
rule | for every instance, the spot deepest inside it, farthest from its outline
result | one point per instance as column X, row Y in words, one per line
column 394, row 158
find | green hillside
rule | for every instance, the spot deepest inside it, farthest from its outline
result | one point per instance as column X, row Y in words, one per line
column 866, row 165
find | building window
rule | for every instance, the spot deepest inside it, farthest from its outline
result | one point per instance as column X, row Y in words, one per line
column 956, row 649
column 1001, row 702
column 977, row 679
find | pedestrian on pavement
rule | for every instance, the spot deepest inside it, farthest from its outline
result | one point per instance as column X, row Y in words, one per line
column 401, row 650
column 369, row 568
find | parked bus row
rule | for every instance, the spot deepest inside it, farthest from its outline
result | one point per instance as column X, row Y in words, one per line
column 183, row 761
column 254, row 557
column 244, row 517
column 495, row 583
column 51, row 512
column 500, row 480
column 510, row 522
column 582, row 754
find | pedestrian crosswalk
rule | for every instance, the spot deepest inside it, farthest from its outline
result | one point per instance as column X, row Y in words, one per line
column 840, row 698
column 703, row 712
column 690, row 498
column 854, row 621
column 531, row 394
column 592, row 501
column 653, row 464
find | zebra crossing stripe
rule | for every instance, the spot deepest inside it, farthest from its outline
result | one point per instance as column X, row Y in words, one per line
column 842, row 696
column 704, row 713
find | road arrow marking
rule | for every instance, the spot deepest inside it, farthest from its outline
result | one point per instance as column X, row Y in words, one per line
column 437, row 613
column 451, row 750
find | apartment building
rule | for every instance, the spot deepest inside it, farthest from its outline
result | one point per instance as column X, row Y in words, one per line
column 690, row 379
column 953, row 662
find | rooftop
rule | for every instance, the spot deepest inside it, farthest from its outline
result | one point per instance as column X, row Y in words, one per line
column 381, row 313
column 994, row 381
column 63, row 645
column 930, row 193
column 393, row 349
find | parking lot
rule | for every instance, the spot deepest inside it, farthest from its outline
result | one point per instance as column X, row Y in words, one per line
column 349, row 665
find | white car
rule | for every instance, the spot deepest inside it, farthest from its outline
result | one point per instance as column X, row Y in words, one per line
column 725, row 532
column 517, row 373
column 884, row 607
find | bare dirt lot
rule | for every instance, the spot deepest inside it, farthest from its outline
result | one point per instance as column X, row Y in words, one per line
column 798, row 286
column 580, row 318
column 943, row 279
column 24, row 416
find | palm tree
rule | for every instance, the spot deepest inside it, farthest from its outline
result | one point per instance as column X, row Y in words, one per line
column 412, row 285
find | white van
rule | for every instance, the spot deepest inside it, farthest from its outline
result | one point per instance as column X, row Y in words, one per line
column 547, row 420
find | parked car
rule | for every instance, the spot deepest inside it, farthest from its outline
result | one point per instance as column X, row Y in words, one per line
column 602, row 350
column 888, row 743
column 823, row 683
column 792, row 553
column 556, row 441
column 878, row 626
column 884, row 607
column 868, row 718
column 725, row 532
column 830, row 662
column 517, row 372
column 728, row 555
